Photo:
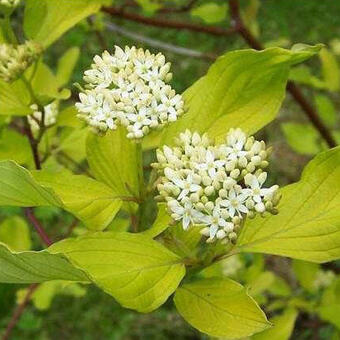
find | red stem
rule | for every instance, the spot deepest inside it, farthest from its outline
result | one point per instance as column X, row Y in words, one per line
column 119, row 12
column 19, row 310
column 37, row 226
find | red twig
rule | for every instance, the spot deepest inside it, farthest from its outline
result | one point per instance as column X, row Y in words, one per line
column 294, row 90
column 19, row 310
column 37, row 226
column 34, row 145
column 165, row 23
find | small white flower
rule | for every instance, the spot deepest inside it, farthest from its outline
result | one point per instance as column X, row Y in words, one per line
column 215, row 222
column 187, row 214
column 235, row 203
column 210, row 164
column 256, row 192
column 186, row 185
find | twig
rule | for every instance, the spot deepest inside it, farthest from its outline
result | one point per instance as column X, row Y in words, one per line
column 186, row 7
column 33, row 144
column 19, row 310
column 159, row 44
column 37, row 226
column 294, row 90
column 165, row 23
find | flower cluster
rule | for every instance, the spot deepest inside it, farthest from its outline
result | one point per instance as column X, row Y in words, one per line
column 324, row 278
column 129, row 88
column 9, row 3
column 215, row 185
column 50, row 116
column 14, row 59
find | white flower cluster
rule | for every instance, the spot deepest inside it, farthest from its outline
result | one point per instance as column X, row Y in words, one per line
column 9, row 3
column 14, row 59
column 324, row 278
column 215, row 185
column 50, row 116
column 129, row 88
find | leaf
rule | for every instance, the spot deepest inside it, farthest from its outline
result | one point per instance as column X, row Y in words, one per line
column 66, row 65
column 330, row 304
column 45, row 84
column 15, row 146
column 306, row 273
column 14, row 99
column 182, row 242
column 249, row 15
column 43, row 296
column 137, row 271
column 326, row 110
column 18, row 188
column 220, row 308
column 302, row 138
column 15, row 233
column 261, row 283
column 210, row 12
column 308, row 225
column 68, row 117
column 241, row 89
column 72, row 143
column 35, row 266
column 330, row 70
column 283, row 327
column 46, row 20
column 162, row 222
column 302, row 75
column 92, row 202
column 115, row 160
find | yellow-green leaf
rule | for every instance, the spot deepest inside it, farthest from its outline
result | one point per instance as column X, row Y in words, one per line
column 36, row 266
column 241, row 89
column 92, row 202
column 306, row 273
column 161, row 223
column 43, row 296
column 46, row 20
column 14, row 99
column 220, row 308
column 18, row 188
column 308, row 224
column 330, row 70
column 15, row 232
column 116, row 161
column 210, row 12
column 283, row 327
column 66, row 65
column 137, row 271
column 309, row 144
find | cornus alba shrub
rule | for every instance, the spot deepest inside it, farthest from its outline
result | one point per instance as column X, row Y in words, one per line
column 183, row 228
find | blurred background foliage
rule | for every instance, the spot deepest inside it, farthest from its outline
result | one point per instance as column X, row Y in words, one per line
column 62, row 311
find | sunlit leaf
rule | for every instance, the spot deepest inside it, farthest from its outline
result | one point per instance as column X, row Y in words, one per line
column 283, row 327
column 15, row 233
column 307, row 226
column 91, row 201
column 220, row 308
column 35, row 266
column 241, row 89
column 46, row 20
column 137, row 271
